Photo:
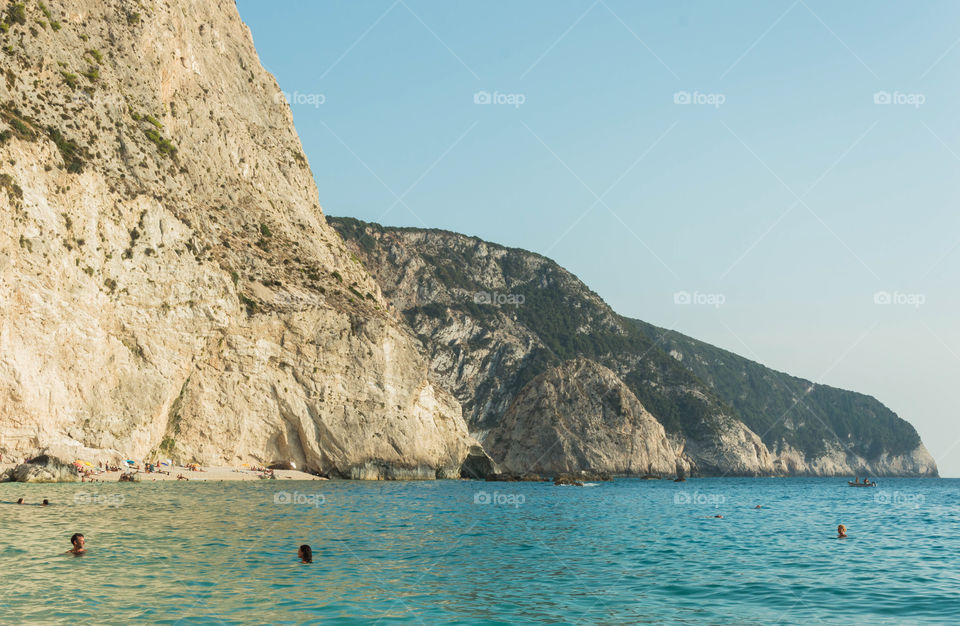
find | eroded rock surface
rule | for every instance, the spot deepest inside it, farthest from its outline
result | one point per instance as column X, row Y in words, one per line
column 168, row 283
column 43, row 469
column 580, row 416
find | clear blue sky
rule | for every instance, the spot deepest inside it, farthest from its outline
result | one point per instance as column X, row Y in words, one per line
column 784, row 187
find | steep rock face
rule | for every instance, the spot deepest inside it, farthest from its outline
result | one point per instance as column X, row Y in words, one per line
column 168, row 282
column 811, row 429
column 731, row 450
column 493, row 318
column 838, row 461
column 580, row 416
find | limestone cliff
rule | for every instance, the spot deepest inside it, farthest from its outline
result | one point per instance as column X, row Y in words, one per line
column 810, row 429
column 580, row 416
column 494, row 318
column 168, row 283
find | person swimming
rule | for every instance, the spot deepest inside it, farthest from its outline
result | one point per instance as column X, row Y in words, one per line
column 45, row 502
column 841, row 532
column 19, row 500
column 305, row 554
column 77, row 540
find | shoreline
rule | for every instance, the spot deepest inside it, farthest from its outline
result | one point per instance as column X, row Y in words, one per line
column 218, row 474
column 233, row 474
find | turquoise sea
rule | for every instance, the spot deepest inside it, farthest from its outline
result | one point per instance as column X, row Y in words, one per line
column 628, row 551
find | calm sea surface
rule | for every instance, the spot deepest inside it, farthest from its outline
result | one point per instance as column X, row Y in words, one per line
column 629, row 551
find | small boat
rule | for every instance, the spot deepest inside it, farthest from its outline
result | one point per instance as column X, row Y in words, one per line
column 853, row 484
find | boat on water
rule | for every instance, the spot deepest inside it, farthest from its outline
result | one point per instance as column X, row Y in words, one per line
column 853, row 484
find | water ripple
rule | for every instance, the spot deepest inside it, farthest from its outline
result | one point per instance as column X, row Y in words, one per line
column 461, row 552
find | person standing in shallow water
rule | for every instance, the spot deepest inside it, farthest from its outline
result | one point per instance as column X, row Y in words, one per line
column 77, row 540
column 305, row 554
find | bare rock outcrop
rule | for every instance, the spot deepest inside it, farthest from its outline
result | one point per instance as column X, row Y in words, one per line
column 43, row 469
column 493, row 318
column 731, row 450
column 478, row 464
column 168, row 283
column 581, row 416
column 839, row 461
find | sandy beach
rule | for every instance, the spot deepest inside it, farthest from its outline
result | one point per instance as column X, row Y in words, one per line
column 205, row 474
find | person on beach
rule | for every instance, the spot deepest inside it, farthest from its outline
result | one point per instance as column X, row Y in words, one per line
column 305, row 554
column 841, row 532
column 77, row 540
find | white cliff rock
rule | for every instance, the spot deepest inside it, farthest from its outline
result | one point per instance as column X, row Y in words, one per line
column 837, row 461
column 580, row 416
column 168, row 283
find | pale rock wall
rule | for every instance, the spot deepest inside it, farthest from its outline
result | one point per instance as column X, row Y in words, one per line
column 580, row 416
column 839, row 462
column 192, row 304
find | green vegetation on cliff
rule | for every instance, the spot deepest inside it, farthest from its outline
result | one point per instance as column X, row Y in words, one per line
column 780, row 407
column 562, row 319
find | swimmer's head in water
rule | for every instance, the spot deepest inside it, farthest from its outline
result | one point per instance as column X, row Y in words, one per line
column 77, row 540
column 305, row 553
column 19, row 500
column 842, row 530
